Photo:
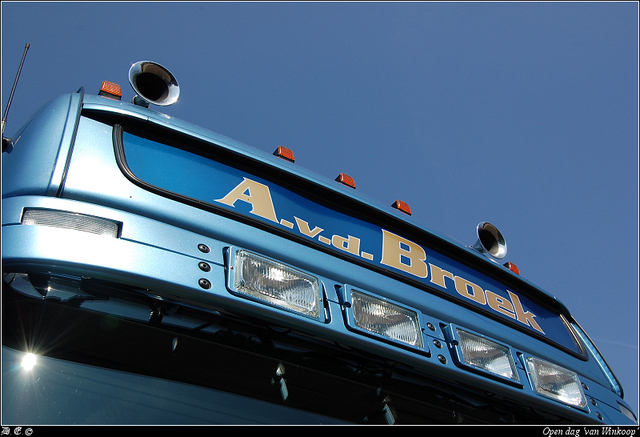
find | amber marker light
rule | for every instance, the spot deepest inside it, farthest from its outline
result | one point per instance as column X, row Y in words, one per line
column 284, row 153
column 511, row 266
column 402, row 206
column 110, row 90
column 346, row 180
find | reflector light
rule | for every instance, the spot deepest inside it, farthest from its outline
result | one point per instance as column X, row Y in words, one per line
column 70, row 220
column 627, row 412
column 110, row 89
column 284, row 153
column 277, row 284
column 402, row 206
column 556, row 382
column 386, row 319
column 346, row 180
column 486, row 355
column 511, row 266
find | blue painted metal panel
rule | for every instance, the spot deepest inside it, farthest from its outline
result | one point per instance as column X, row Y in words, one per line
column 41, row 149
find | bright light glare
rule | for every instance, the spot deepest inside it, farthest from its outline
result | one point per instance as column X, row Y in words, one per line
column 28, row 361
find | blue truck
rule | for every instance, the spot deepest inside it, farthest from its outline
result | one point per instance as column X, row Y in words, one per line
column 155, row 272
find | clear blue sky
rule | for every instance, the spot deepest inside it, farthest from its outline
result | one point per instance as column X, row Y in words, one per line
column 521, row 114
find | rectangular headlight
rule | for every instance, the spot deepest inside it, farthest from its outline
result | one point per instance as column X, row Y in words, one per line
column 385, row 319
column 277, row 284
column 486, row 355
column 556, row 382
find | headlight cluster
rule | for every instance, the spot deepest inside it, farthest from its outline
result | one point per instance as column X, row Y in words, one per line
column 483, row 355
column 274, row 283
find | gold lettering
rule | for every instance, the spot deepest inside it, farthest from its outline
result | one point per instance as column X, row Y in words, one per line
column 324, row 240
column 351, row 244
column 255, row 194
column 523, row 316
column 305, row 229
column 500, row 304
column 438, row 275
column 470, row 290
column 403, row 254
column 286, row 223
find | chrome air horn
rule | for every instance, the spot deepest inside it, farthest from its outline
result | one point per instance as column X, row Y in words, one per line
column 490, row 240
column 153, row 84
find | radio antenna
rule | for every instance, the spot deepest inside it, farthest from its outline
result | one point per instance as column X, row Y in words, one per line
column 13, row 90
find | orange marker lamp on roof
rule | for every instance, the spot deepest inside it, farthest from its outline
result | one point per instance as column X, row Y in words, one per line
column 511, row 266
column 110, row 90
column 284, row 153
column 402, row 206
column 346, row 180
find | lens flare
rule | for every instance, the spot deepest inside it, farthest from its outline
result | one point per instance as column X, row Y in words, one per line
column 28, row 361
